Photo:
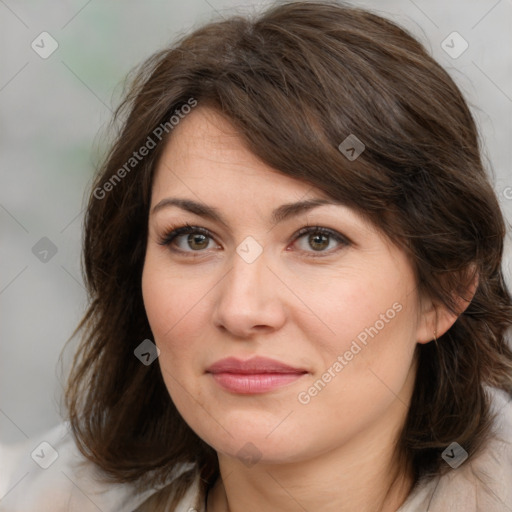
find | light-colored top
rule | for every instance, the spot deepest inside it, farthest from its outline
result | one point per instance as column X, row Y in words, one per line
column 49, row 474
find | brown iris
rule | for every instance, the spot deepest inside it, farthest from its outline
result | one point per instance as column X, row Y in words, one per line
column 318, row 241
column 197, row 241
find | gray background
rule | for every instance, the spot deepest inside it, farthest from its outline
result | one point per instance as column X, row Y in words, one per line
column 53, row 115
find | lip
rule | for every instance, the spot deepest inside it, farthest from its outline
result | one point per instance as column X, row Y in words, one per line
column 255, row 375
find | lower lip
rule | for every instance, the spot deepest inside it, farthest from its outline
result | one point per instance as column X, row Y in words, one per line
column 249, row 384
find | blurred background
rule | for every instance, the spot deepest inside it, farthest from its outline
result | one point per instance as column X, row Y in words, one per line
column 62, row 66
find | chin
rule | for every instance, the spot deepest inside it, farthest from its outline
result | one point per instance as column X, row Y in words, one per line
column 253, row 441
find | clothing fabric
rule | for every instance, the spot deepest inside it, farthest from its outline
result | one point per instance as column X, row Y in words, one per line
column 49, row 474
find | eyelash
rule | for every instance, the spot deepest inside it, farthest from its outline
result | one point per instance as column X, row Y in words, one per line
column 172, row 233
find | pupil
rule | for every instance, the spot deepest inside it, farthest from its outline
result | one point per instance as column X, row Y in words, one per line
column 198, row 240
column 319, row 241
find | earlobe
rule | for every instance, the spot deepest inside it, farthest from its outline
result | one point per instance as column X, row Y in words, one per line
column 435, row 323
column 437, row 319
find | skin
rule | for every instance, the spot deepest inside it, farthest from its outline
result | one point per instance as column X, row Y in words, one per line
column 293, row 303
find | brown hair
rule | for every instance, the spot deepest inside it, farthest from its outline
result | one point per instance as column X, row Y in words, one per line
column 296, row 81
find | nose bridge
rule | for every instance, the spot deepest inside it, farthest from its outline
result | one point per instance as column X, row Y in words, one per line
column 247, row 280
column 247, row 296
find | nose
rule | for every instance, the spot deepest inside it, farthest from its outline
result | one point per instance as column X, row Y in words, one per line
column 248, row 299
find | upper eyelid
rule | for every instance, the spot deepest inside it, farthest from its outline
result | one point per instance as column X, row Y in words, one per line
column 321, row 229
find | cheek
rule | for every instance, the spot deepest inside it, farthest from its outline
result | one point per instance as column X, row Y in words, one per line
column 174, row 322
column 366, row 354
column 168, row 298
column 177, row 313
column 364, row 367
column 356, row 306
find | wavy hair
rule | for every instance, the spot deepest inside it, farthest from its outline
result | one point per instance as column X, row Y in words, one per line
column 295, row 81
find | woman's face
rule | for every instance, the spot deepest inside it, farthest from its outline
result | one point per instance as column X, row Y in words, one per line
column 334, row 307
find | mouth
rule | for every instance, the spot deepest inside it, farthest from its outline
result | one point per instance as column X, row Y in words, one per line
column 255, row 375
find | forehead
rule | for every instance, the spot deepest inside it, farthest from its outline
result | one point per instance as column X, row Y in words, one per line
column 206, row 134
column 205, row 150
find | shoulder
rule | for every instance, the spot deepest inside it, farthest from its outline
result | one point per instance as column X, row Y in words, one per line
column 482, row 482
column 50, row 474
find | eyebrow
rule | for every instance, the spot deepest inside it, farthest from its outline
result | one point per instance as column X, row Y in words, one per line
column 281, row 213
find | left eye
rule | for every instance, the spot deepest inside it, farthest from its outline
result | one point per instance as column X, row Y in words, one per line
column 319, row 239
column 197, row 241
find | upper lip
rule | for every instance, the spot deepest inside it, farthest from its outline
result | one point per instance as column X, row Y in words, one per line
column 254, row 365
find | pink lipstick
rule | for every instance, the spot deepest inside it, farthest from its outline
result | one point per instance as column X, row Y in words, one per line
column 255, row 375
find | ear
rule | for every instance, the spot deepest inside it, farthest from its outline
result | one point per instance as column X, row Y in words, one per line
column 436, row 318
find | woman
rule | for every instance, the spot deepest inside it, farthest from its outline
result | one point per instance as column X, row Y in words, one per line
column 293, row 254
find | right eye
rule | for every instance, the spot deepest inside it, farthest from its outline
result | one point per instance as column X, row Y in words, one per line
column 188, row 239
